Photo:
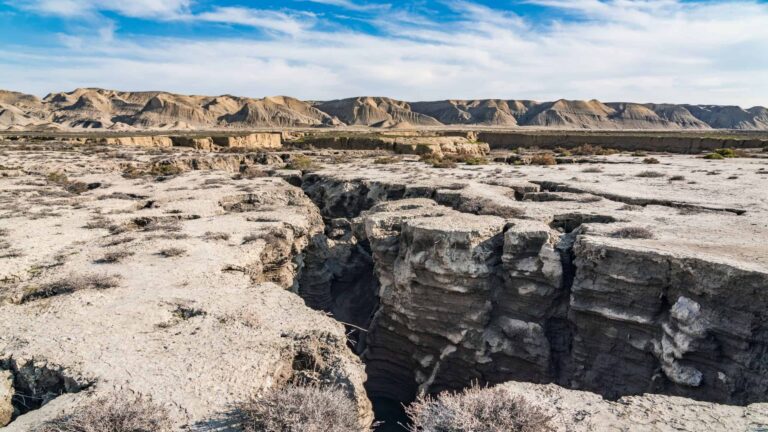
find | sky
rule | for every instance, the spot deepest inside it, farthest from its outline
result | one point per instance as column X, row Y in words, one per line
column 675, row 51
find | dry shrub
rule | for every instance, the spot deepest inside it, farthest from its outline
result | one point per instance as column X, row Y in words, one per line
column 543, row 159
column 438, row 162
column 115, row 413
column 651, row 161
column 650, row 174
column 594, row 169
column 677, row 178
column 172, row 252
column 114, row 257
column 69, row 285
column 301, row 163
column 212, row 236
column 300, row 409
column 633, row 233
column 477, row 410
column 590, row 150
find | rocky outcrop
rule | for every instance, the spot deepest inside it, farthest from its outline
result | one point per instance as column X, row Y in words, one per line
column 254, row 141
column 178, row 289
column 435, row 145
column 141, row 141
column 500, row 295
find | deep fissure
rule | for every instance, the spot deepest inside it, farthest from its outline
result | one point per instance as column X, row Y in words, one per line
column 527, row 325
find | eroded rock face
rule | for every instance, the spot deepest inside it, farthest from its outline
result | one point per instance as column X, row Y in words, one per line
column 546, row 293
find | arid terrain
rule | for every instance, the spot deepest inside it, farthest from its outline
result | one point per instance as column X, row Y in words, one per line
column 591, row 281
column 91, row 108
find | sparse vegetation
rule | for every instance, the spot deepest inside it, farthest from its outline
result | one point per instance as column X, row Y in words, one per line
column 212, row 236
column 300, row 408
column 590, row 150
column 714, row 156
column 301, row 163
column 639, row 154
column 478, row 410
column 115, row 413
column 592, row 169
column 677, row 178
column 542, row 159
column 438, row 162
column 172, row 252
column 69, row 285
column 632, row 233
column 114, row 257
column 651, row 161
column 649, row 174
column 474, row 160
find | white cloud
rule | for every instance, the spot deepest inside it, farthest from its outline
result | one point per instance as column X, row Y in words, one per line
column 352, row 5
column 265, row 19
column 630, row 50
column 129, row 8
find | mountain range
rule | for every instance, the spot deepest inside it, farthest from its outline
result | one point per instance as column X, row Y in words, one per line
column 93, row 108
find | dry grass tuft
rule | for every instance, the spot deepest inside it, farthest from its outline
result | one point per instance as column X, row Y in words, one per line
column 542, row 159
column 69, row 285
column 114, row 257
column 172, row 252
column 633, row 233
column 116, row 413
column 478, row 410
column 651, row 161
column 300, row 408
column 649, row 174
column 213, row 236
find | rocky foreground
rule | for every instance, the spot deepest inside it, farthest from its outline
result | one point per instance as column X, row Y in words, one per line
column 102, row 109
column 616, row 292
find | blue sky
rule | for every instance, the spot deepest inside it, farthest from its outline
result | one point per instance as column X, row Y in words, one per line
column 612, row 50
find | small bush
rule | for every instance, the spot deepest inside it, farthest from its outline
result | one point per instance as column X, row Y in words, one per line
column 726, row 152
column 477, row 410
column 209, row 235
column 594, row 169
column 542, row 159
column 114, row 257
column 651, row 161
column 677, row 178
column 633, row 233
column 57, row 177
column 300, row 409
column 650, row 174
column 385, row 160
column 438, row 162
column 474, row 160
column 172, row 252
column 714, row 156
column 117, row 413
column 301, row 163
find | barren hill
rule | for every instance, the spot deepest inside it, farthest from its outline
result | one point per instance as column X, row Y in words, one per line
column 117, row 110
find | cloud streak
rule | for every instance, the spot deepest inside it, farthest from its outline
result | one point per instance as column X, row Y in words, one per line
column 643, row 51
